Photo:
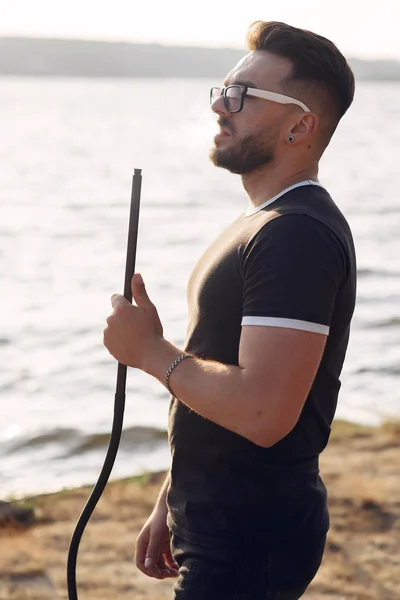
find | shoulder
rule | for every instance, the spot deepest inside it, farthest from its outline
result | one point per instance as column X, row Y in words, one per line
column 291, row 230
column 306, row 214
column 297, row 246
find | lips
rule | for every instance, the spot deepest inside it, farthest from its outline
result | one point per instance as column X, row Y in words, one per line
column 223, row 130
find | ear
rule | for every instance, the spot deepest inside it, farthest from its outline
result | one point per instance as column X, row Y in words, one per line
column 306, row 126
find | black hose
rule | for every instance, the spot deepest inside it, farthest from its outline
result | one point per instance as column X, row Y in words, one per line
column 119, row 402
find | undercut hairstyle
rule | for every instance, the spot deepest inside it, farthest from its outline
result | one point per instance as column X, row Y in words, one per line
column 318, row 65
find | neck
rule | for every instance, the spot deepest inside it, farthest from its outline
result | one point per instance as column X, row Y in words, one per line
column 266, row 182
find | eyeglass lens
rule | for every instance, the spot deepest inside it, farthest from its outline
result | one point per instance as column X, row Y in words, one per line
column 232, row 97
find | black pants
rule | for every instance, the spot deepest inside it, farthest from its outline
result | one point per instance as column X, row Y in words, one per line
column 254, row 571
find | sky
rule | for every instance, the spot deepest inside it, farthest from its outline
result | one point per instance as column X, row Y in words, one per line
column 360, row 28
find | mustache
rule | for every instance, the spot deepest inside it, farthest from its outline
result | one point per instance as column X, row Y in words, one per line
column 225, row 124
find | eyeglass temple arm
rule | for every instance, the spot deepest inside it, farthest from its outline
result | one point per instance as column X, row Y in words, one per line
column 275, row 97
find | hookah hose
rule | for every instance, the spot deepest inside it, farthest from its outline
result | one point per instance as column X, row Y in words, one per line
column 119, row 402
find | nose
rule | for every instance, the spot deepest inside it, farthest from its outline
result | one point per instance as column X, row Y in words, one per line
column 218, row 106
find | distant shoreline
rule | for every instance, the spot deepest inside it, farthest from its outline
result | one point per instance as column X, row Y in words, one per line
column 47, row 57
column 38, row 77
column 342, row 429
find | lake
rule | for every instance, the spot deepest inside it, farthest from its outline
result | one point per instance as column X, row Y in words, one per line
column 68, row 149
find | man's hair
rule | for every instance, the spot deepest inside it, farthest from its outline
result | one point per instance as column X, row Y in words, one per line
column 318, row 65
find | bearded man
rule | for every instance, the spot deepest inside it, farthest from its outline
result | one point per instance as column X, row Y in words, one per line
column 243, row 511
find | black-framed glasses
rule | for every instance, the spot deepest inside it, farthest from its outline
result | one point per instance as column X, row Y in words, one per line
column 235, row 94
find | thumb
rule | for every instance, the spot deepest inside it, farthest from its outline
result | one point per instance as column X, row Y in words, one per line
column 153, row 551
column 139, row 293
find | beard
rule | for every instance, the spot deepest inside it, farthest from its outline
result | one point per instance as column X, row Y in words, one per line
column 253, row 151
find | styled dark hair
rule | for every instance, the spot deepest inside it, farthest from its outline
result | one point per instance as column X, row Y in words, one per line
column 316, row 61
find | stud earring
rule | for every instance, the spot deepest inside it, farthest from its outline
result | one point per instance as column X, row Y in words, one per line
column 290, row 139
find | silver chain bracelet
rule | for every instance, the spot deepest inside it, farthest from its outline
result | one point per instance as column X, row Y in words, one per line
column 172, row 367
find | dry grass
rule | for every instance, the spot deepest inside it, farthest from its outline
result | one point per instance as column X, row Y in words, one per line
column 362, row 560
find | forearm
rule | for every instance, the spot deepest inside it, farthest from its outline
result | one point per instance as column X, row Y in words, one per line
column 221, row 393
column 161, row 503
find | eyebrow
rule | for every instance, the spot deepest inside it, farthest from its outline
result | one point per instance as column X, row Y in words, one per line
column 249, row 84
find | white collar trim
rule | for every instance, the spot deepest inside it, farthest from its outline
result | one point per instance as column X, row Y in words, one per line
column 252, row 210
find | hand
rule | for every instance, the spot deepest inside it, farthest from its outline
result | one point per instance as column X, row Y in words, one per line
column 132, row 332
column 153, row 550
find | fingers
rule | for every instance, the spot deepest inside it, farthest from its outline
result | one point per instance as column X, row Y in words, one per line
column 149, row 559
column 153, row 549
column 144, row 561
column 160, row 570
column 118, row 301
column 166, row 570
column 170, row 562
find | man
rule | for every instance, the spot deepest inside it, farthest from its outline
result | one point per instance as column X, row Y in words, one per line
column 270, row 302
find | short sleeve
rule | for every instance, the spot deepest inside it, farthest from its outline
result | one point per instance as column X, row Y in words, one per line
column 293, row 269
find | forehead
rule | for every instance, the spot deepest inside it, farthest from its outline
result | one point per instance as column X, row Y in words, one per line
column 260, row 69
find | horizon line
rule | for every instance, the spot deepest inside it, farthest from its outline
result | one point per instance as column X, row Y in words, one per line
column 164, row 43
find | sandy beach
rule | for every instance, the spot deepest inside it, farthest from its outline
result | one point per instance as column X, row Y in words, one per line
column 360, row 467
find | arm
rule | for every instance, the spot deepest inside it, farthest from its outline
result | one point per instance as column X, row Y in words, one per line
column 161, row 502
column 291, row 278
column 260, row 400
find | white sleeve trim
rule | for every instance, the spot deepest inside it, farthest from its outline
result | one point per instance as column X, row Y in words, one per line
column 289, row 323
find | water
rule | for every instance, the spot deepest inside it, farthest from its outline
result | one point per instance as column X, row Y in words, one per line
column 67, row 153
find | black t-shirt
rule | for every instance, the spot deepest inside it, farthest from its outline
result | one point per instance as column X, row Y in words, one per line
column 290, row 264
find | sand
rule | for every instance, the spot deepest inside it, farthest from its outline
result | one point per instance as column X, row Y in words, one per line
column 360, row 467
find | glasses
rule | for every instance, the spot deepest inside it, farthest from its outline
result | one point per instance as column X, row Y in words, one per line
column 234, row 96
